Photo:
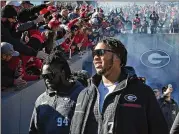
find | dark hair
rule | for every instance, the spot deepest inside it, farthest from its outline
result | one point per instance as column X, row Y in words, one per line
column 57, row 57
column 117, row 46
column 8, row 11
column 164, row 89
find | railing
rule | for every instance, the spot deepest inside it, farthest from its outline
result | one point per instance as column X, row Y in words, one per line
column 17, row 109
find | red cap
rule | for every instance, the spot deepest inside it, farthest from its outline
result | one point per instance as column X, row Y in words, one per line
column 43, row 11
column 53, row 23
column 52, row 8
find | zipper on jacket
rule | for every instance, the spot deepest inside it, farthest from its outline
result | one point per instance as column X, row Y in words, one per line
column 86, row 115
column 115, row 106
column 101, row 116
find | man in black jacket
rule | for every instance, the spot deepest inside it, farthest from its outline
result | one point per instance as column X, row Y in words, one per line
column 28, row 14
column 168, row 105
column 175, row 126
column 154, row 22
column 8, row 18
column 54, row 108
column 116, row 102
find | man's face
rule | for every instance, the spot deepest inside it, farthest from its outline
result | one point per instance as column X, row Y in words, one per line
column 17, row 8
column 27, row 5
column 157, row 94
column 65, row 13
column 168, row 91
column 12, row 20
column 6, row 57
column 103, row 59
column 53, row 76
column 3, row 3
column 77, row 11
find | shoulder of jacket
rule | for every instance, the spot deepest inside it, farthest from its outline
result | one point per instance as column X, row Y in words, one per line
column 161, row 100
column 174, row 102
column 86, row 92
column 78, row 87
column 143, row 88
column 136, row 82
column 41, row 99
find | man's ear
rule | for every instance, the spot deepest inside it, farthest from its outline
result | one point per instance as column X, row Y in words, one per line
column 116, row 58
column 63, row 73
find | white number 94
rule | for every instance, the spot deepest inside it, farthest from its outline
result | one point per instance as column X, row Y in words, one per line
column 62, row 121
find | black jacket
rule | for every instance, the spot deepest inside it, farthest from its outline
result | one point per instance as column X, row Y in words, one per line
column 134, row 110
column 29, row 14
column 53, row 111
column 175, row 127
column 6, row 36
column 169, row 109
column 7, row 75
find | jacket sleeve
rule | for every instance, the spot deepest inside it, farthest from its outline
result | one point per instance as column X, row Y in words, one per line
column 18, row 46
column 177, row 108
column 175, row 127
column 79, row 113
column 25, row 26
column 31, row 11
column 7, row 81
column 156, row 120
column 7, row 75
column 72, row 22
column 35, row 9
column 33, row 123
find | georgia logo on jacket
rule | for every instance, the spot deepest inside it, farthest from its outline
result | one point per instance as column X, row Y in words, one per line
column 130, row 97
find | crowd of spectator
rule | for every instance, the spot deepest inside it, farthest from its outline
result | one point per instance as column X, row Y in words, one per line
column 157, row 17
column 168, row 105
column 35, row 31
